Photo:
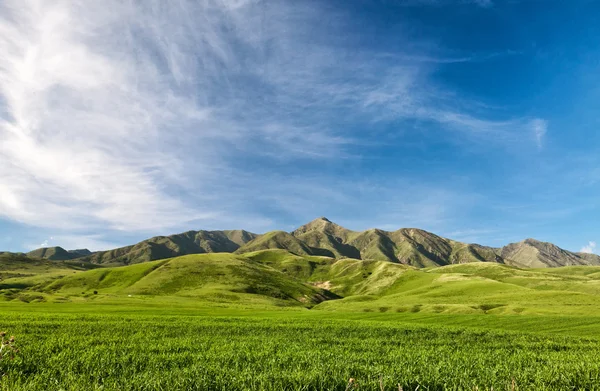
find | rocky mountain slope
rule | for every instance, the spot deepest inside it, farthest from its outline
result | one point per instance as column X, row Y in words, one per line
column 408, row 246
column 533, row 253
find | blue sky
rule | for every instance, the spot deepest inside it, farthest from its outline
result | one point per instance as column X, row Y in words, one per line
column 476, row 120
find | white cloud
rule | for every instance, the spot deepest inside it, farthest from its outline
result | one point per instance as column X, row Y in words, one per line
column 142, row 115
column 589, row 249
column 539, row 127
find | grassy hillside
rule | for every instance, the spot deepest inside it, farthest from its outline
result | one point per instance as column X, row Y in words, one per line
column 279, row 277
column 19, row 272
column 485, row 288
column 207, row 277
column 344, row 277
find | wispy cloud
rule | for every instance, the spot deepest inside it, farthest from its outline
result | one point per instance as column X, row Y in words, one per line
column 476, row 57
column 590, row 248
column 144, row 115
column 539, row 128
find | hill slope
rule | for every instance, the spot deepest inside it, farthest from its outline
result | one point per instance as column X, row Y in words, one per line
column 207, row 277
column 483, row 288
column 280, row 278
column 19, row 272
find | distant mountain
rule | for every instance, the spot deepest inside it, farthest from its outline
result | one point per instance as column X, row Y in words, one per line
column 161, row 247
column 58, row 253
column 533, row 253
column 52, row 254
column 321, row 237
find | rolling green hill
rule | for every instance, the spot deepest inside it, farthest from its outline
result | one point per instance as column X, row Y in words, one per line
column 282, row 278
column 19, row 272
column 207, row 277
column 485, row 288
column 460, row 288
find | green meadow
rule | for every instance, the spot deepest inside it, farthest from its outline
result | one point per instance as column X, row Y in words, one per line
column 272, row 320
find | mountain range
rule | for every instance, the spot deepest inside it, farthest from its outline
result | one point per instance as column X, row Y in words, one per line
column 321, row 237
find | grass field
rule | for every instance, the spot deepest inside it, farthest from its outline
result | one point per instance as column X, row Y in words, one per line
column 133, row 347
column 271, row 320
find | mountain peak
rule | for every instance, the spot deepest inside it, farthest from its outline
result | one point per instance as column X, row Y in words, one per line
column 319, row 221
column 323, row 225
column 532, row 241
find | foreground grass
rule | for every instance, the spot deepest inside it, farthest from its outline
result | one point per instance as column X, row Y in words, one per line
column 66, row 349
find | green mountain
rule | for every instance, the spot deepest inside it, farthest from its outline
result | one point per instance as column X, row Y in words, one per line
column 162, row 247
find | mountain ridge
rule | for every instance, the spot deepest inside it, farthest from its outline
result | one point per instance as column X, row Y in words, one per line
column 322, row 237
